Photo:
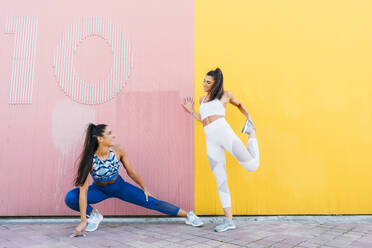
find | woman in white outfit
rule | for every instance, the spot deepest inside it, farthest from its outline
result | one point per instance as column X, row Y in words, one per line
column 220, row 137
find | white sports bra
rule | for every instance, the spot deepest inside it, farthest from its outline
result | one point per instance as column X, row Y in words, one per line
column 214, row 107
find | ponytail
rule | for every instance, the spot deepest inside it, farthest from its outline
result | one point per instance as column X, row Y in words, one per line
column 217, row 88
column 90, row 147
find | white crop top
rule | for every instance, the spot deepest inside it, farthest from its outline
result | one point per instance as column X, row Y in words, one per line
column 214, row 107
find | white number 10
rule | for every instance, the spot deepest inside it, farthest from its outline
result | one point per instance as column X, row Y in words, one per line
column 23, row 64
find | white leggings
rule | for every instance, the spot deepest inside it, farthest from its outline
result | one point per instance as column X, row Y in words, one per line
column 221, row 137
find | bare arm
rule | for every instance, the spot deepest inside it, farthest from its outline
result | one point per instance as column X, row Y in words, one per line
column 129, row 168
column 234, row 101
column 83, row 199
column 131, row 172
column 83, row 192
column 189, row 106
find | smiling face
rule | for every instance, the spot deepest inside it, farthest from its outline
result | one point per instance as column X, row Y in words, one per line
column 208, row 83
column 107, row 138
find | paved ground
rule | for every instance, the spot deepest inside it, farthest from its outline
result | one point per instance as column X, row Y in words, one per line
column 301, row 231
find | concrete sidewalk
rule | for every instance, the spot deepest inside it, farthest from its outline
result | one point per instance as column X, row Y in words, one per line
column 282, row 231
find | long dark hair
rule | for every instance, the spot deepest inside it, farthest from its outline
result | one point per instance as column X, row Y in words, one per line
column 217, row 88
column 90, row 147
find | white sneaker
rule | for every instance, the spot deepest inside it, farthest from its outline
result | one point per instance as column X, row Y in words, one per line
column 248, row 127
column 193, row 220
column 93, row 221
column 226, row 225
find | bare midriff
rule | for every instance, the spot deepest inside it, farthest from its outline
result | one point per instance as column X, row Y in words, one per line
column 208, row 120
column 107, row 182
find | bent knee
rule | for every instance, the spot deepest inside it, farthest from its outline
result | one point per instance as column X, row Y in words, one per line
column 251, row 165
column 70, row 198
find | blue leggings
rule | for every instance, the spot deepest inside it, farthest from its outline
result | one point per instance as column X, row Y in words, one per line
column 122, row 190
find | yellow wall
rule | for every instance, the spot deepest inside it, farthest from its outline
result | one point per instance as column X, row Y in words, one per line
column 304, row 71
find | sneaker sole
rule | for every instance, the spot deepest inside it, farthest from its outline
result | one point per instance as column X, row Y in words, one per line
column 190, row 223
column 245, row 128
column 226, row 229
column 99, row 221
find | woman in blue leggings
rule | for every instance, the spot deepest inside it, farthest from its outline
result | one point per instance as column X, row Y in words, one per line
column 100, row 158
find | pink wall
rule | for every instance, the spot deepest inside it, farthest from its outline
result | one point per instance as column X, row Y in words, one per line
column 41, row 140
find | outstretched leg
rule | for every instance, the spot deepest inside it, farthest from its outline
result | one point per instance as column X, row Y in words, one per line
column 130, row 193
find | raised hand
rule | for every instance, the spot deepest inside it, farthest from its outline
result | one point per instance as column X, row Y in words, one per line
column 189, row 104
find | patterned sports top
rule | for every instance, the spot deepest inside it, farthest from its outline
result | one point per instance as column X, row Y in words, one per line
column 105, row 170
